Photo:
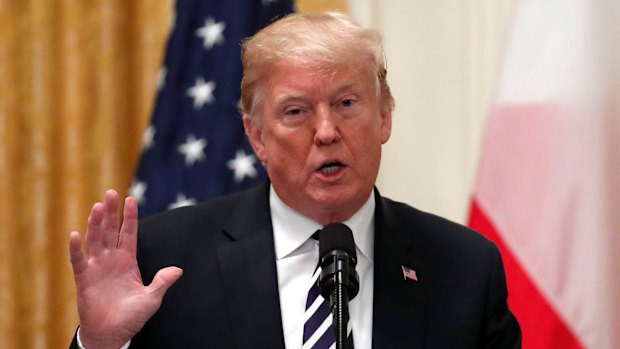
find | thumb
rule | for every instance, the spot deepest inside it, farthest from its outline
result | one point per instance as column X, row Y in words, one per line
column 163, row 280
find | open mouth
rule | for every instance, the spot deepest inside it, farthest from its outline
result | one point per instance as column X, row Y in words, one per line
column 330, row 167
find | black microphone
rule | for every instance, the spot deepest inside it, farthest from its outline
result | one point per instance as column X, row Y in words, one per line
column 338, row 281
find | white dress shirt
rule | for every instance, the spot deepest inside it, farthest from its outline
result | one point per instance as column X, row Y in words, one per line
column 297, row 256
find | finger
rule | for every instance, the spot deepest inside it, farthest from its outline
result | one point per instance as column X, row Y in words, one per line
column 129, row 229
column 78, row 259
column 94, row 229
column 163, row 280
column 110, row 219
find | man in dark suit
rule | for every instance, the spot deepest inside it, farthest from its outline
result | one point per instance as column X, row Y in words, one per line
column 317, row 109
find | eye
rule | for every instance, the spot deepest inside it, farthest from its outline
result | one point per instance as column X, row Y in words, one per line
column 294, row 111
column 347, row 102
column 294, row 115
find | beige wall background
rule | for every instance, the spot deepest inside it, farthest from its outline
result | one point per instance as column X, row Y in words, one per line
column 442, row 58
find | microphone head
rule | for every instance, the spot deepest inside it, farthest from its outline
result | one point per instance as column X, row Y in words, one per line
column 336, row 236
column 338, row 260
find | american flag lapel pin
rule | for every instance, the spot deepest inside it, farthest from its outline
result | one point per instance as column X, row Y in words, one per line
column 409, row 274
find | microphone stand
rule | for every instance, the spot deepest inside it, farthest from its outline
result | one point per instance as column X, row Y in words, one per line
column 340, row 315
column 338, row 281
column 340, row 301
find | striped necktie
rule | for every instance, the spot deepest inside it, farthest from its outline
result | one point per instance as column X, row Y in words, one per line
column 318, row 330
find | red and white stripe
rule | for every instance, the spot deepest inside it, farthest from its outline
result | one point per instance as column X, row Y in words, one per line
column 548, row 188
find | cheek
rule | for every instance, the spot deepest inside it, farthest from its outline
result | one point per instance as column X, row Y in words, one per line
column 370, row 139
column 287, row 150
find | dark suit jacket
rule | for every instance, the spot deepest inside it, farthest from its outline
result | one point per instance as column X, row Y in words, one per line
column 228, row 294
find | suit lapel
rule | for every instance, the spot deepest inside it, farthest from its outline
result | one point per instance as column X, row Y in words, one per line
column 399, row 303
column 250, row 276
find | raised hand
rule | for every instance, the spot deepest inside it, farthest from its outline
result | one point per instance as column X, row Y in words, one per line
column 113, row 303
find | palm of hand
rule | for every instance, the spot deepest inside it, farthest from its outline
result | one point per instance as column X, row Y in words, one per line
column 113, row 303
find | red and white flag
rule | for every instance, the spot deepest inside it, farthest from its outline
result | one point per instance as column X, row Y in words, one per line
column 548, row 188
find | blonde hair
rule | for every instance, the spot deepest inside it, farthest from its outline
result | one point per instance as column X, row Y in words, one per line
column 325, row 41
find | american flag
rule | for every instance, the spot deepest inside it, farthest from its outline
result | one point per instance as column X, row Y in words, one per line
column 409, row 274
column 195, row 147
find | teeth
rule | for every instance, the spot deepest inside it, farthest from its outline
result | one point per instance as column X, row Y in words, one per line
column 330, row 169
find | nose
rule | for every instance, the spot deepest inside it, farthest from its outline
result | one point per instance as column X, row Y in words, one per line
column 327, row 130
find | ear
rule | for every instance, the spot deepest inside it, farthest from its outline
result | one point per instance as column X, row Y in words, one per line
column 254, row 132
column 386, row 124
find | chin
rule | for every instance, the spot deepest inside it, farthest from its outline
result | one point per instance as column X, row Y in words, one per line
column 335, row 200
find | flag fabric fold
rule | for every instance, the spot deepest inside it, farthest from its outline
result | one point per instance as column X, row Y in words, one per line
column 548, row 188
column 195, row 147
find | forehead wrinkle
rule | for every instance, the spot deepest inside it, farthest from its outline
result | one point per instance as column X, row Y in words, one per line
column 354, row 80
column 328, row 84
column 346, row 86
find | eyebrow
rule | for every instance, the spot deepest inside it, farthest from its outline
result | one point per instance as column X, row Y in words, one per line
column 287, row 97
column 345, row 87
column 298, row 95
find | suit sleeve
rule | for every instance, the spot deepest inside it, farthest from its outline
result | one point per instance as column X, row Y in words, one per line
column 501, row 328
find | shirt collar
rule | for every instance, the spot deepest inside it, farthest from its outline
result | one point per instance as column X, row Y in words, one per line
column 291, row 229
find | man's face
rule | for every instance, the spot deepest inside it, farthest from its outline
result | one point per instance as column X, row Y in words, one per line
column 320, row 136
